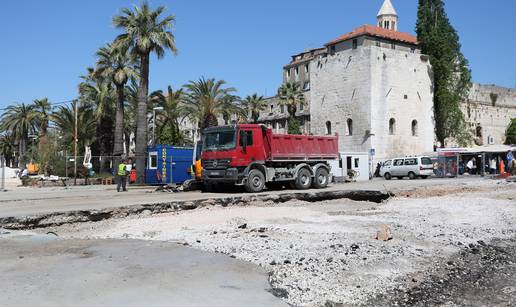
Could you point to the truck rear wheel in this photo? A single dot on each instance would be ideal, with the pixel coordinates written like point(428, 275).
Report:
point(321, 178)
point(304, 179)
point(255, 181)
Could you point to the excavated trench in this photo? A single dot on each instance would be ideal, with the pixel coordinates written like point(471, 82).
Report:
point(83, 216)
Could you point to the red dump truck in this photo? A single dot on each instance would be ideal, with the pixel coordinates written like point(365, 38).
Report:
point(253, 156)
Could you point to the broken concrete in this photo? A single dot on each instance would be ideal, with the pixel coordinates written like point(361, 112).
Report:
point(81, 216)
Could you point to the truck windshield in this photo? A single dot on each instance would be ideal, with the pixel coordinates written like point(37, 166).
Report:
point(219, 140)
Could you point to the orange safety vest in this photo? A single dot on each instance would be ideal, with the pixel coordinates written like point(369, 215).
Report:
point(198, 169)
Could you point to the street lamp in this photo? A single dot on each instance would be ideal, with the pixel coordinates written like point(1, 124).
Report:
point(154, 123)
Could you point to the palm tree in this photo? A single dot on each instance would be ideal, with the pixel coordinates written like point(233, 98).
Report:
point(291, 95)
point(144, 32)
point(130, 112)
point(19, 121)
point(115, 64)
point(206, 100)
point(254, 105)
point(42, 111)
point(98, 91)
point(168, 120)
point(7, 148)
point(64, 120)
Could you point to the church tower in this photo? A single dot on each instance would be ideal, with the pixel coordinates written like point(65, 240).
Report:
point(387, 16)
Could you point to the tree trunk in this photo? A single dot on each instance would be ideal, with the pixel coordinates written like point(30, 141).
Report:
point(21, 159)
point(42, 145)
point(127, 139)
point(118, 147)
point(141, 122)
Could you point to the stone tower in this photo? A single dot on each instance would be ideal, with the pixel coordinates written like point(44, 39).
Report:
point(387, 16)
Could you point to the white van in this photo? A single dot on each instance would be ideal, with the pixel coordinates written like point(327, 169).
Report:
point(412, 167)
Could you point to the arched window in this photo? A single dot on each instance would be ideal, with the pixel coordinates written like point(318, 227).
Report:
point(349, 126)
point(414, 128)
point(392, 126)
point(328, 128)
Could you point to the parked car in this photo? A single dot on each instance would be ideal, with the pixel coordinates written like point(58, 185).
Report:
point(412, 167)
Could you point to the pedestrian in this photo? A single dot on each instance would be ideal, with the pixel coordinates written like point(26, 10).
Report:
point(469, 166)
point(122, 176)
point(129, 168)
point(377, 171)
point(492, 166)
point(509, 157)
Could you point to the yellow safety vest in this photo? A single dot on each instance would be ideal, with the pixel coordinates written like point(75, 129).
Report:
point(121, 169)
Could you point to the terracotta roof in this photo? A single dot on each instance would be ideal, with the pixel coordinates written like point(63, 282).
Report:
point(376, 32)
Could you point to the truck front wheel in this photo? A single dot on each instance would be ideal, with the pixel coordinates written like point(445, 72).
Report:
point(304, 179)
point(321, 178)
point(255, 181)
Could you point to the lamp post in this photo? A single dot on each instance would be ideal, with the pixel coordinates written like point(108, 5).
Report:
point(154, 123)
point(76, 107)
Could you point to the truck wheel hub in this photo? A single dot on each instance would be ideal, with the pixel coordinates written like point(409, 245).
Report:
point(256, 181)
point(322, 179)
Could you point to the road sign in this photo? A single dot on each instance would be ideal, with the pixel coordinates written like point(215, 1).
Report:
point(372, 152)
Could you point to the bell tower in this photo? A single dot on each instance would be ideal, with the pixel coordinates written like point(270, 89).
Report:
point(387, 16)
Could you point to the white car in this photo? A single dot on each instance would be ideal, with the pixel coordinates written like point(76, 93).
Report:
point(412, 167)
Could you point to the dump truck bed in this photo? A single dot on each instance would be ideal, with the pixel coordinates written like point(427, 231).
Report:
point(286, 147)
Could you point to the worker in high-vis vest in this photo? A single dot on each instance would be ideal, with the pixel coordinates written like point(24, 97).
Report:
point(122, 176)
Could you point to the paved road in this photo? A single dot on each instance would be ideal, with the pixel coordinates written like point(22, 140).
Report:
point(42, 271)
point(33, 201)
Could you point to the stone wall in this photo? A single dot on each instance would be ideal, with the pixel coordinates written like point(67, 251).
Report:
point(488, 111)
point(401, 89)
point(370, 85)
point(341, 90)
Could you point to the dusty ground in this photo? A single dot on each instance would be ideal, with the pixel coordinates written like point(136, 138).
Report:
point(47, 271)
point(449, 244)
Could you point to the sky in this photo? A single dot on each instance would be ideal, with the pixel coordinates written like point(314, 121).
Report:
point(47, 45)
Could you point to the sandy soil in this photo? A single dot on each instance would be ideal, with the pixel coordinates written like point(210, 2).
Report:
point(326, 252)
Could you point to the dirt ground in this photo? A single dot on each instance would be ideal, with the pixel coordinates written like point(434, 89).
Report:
point(451, 245)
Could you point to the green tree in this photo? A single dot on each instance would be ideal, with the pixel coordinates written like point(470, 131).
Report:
point(97, 91)
point(145, 32)
point(253, 105)
point(18, 120)
point(291, 95)
point(42, 111)
point(452, 77)
point(7, 148)
point(64, 120)
point(207, 100)
point(510, 133)
point(115, 64)
point(167, 121)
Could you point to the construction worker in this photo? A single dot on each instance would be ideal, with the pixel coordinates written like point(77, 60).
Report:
point(122, 176)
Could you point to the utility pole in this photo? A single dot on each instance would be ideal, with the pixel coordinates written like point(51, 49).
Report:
point(3, 173)
point(75, 145)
